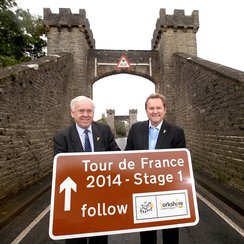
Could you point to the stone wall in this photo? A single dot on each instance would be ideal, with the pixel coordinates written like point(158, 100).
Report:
point(34, 99)
point(210, 107)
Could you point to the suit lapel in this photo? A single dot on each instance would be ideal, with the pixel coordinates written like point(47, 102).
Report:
point(97, 139)
point(144, 135)
point(162, 135)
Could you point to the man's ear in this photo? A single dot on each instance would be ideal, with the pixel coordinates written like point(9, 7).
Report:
point(72, 114)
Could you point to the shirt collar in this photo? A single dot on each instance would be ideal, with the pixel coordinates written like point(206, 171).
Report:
point(81, 130)
point(158, 126)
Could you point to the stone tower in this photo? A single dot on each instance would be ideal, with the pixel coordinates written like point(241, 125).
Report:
point(110, 119)
point(173, 33)
point(68, 32)
point(133, 116)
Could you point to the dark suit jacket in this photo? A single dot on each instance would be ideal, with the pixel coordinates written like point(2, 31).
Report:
point(170, 136)
point(68, 140)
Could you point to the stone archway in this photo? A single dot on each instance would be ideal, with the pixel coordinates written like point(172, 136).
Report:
point(112, 119)
point(68, 32)
point(102, 63)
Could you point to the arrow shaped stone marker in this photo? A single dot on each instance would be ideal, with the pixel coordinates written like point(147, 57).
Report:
point(67, 185)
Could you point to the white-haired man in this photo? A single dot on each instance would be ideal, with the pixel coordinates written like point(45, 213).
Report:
point(73, 139)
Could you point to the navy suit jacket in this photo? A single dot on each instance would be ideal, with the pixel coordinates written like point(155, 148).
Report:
point(68, 140)
point(170, 136)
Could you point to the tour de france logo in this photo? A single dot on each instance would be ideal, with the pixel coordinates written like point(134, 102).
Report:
point(158, 206)
point(146, 207)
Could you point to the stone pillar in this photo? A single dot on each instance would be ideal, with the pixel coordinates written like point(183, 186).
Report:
point(133, 117)
point(110, 119)
point(173, 33)
point(71, 33)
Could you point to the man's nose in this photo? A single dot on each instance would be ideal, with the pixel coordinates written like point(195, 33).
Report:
point(85, 113)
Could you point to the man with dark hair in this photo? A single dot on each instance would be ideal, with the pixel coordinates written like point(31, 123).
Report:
point(156, 133)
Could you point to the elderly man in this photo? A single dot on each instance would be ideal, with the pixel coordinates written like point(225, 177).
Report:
point(85, 135)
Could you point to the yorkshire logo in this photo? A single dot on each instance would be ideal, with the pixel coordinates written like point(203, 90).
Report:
point(171, 205)
point(160, 206)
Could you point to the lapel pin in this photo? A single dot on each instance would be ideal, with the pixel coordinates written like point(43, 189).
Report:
point(164, 131)
point(98, 138)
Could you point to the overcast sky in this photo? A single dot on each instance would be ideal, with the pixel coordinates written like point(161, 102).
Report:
point(129, 25)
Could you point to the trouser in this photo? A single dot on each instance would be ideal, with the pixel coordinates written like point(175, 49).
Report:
point(92, 240)
point(170, 236)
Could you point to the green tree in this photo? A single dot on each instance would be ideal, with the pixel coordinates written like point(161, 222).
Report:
point(34, 34)
point(4, 4)
point(120, 127)
point(21, 34)
point(103, 120)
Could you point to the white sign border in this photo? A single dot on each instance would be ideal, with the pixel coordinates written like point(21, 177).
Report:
point(114, 232)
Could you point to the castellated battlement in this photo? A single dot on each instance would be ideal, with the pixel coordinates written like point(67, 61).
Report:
point(177, 21)
point(66, 19)
point(133, 111)
point(110, 111)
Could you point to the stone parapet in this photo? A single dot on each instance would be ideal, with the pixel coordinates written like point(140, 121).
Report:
point(209, 106)
point(34, 105)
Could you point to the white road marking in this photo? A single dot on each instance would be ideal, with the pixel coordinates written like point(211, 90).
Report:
point(22, 235)
point(222, 215)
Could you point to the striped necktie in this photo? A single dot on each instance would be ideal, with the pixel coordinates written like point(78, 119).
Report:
point(87, 142)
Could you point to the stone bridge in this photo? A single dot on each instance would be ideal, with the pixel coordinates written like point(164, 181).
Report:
point(205, 98)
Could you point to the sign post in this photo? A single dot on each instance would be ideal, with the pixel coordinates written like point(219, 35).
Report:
point(121, 192)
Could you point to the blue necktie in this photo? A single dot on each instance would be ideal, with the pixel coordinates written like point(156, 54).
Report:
point(153, 136)
point(87, 142)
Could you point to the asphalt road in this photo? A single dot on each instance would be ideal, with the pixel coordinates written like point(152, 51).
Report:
point(29, 228)
point(219, 224)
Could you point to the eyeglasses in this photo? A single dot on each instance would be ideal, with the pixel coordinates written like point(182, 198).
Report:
point(83, 111)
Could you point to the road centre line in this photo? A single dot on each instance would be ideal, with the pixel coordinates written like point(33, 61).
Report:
point(24, 233)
